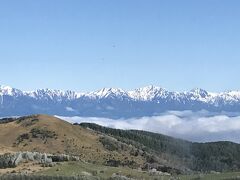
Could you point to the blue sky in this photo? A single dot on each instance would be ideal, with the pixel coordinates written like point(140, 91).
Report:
point(87, 45)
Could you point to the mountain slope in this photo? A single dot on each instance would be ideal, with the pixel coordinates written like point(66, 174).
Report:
point(48, 134)
point(178, 153)
point(113, 102)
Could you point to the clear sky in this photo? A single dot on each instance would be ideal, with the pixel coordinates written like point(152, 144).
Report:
point(89, 44)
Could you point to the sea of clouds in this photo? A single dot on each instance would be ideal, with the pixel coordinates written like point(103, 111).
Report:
point(201, 126)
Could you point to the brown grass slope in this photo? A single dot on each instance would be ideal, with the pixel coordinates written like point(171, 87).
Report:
point(49, 134)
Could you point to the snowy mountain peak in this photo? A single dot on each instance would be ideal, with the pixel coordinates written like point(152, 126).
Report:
point(7, 90)
point(235, 94)
point(147, 93)
point(152, 88)
point(198, 92)
point(107, 92)
point(114, 102)
point(53, 94)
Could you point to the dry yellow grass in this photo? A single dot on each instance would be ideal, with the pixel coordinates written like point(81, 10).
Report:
point(26, 168)
point(68, 138)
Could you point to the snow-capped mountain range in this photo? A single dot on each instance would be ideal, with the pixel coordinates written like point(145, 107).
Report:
point(114, 102)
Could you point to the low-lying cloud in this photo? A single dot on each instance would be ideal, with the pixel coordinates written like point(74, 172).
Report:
point(199, 126)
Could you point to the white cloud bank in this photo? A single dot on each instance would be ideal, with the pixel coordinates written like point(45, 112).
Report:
point(199, 126)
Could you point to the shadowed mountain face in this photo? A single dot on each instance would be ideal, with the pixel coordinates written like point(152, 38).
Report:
point(216, 156)
point(113, 103)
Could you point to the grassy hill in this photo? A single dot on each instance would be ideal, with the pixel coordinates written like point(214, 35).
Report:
point(49, 134)
point(101, 147)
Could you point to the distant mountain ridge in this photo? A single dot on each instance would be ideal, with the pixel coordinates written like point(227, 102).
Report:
point(114, 102)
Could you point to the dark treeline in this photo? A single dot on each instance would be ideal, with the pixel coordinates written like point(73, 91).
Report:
point(218, 156)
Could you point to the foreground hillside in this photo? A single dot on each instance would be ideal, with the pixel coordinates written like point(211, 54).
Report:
point(48, 134)
point(104, 151)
